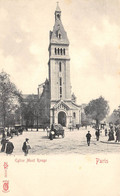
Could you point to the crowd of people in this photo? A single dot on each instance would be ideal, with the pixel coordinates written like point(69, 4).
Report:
point(7, 145)
point(113, 133)
point(11, 131)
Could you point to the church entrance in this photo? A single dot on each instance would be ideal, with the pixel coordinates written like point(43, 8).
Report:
point(62, 118)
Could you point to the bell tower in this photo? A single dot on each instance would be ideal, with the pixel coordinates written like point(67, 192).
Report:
point(62, 109)
point(59, 62)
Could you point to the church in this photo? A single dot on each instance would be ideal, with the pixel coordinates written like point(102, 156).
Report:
point(57, 103)
point(63, 109)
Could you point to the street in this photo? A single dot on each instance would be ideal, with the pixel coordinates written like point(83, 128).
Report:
point(74, 142)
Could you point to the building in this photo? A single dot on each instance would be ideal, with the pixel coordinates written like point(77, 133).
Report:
point(62, 108)
point(44, 105)
point(55, 103)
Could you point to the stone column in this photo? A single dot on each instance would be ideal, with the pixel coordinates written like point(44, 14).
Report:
point(51, 117)
point(55, 117)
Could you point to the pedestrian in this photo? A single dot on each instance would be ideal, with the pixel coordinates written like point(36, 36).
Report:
point(11, 133)
point(3, 142)
point(118, 134)
point(26, 146)
point(8, 133)
point(111, 135)
point(3, 133)
point(88, 136)
point(105, 131)
point(9, 147)
point(97, 133)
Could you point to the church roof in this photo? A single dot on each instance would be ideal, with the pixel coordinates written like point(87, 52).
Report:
point(59, 103)
point(67, 104)
point(27, 97)
point(72, 105)
point(58, 35)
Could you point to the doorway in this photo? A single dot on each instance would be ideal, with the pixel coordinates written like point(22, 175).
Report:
point(62, 118)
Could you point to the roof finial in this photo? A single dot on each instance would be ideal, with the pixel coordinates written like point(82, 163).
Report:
point(58, 8)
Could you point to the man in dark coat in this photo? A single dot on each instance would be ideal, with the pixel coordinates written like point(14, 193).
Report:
point(118, 134)
point(26, 146)
point(3, 142)
point(88, 136)
point(9, 147)
point(97, 133)
point(3, 133)
point(111, 135)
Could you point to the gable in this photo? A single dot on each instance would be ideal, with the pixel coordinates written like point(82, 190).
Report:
point(61, 105)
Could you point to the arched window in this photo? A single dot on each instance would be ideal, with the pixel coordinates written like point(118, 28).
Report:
point(60, 67)
point(74, 115)
point(61, 51)
point(58, 16)
point(55, 51)
point(59, 36)
point(58, 50)
point(64, 51)
point(60, 91)
point(60, 81)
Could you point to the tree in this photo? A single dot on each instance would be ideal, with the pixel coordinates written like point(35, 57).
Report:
point(35, 109)
point(114, 117)
point(9, 99)
point(117, 112)
point(85, 119)
point(97, 109)
point(28, 110)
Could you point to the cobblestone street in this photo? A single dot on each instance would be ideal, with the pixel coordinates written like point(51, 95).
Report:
point(74, 142)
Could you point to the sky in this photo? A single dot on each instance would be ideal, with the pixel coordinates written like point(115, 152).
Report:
point(93, 29)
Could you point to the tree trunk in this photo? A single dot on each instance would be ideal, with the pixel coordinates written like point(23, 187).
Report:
point(97, 123)
point(37, 122)
point(4, 123)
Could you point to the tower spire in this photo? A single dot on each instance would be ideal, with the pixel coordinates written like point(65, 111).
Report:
point(58, 35)
point(58, 8)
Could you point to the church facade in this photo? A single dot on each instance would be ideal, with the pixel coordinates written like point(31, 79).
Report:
point(54, 101)
point(63, 109)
